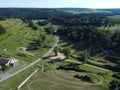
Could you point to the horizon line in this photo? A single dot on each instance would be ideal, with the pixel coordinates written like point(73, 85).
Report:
point(60, 7)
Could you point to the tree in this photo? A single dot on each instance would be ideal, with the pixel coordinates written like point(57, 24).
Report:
point(66, 52)
point(31, 24)
point(2, 30)
point(43, 23)
point(56, 51)
point(50, 30)
point(114, 85)
point(84, 56)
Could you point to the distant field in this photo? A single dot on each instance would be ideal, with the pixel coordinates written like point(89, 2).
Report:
point(115, 27)
point(115, 17)
point(87, 11)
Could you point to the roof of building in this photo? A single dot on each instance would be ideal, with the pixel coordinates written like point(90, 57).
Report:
point(3, 61)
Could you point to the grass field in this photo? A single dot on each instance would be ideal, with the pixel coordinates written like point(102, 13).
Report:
point(18, 34)
point(56, 81)
point(12, 83)
point(115, 27)
point(49, 78)
point(53, 79)
point(115, 18)
point(86, 11)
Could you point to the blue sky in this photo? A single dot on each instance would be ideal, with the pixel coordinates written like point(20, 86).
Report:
point(61, 3)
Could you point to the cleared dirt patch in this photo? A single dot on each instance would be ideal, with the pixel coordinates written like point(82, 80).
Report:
point(60, 56)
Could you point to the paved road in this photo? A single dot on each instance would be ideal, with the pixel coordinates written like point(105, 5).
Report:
point(30, 65)
point(12, 70)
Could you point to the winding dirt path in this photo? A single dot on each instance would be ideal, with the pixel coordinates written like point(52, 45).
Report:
point(101, 78)
point(56, 79)
point(24, 51)
point(53, 82)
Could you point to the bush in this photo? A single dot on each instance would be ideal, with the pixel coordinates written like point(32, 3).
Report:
point(116, 75)
point(71, 66)
point(88, 78)
point(2, 30)
point(50, 30)
point(31, 24)
point(43, 23)
point(114, 85)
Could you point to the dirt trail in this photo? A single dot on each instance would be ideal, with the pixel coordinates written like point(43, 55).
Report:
point(24, 51)
point(60, 56)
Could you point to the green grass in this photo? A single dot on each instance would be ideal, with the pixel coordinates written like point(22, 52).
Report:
point(91, 69)
point(96, 53)
point(12, 83)
point(18, 34)
point(45, 80)
point(115, 17)
point(95, 79)
point(112, 28)
point(56, 81)
point(82, 67)
point(107, 79)
point(47, 67)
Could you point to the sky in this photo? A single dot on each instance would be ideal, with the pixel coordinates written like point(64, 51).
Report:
point(61, 3)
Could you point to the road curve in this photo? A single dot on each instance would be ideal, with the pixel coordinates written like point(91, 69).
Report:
point(30, 65)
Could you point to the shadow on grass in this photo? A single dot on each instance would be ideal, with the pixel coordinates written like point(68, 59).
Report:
point(56, 60)
point(21, 54)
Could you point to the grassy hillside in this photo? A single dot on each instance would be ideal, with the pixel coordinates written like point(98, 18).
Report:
point(19, 35)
